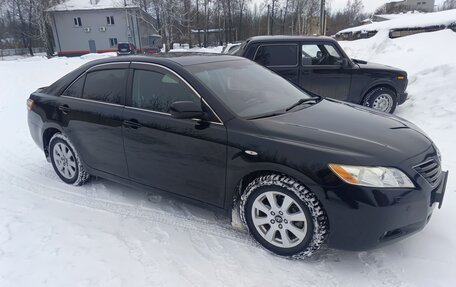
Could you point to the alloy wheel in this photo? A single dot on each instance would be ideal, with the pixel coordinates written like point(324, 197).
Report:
point(64, 160)
point(279, 219)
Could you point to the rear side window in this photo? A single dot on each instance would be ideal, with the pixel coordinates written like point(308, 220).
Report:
point(105, 85)
point(277, 55)
point(156, 91)
point(250, 53)
point(75, 90)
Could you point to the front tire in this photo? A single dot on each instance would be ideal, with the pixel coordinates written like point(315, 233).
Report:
point(66, 161)
point(382, 99)
point(284, 216)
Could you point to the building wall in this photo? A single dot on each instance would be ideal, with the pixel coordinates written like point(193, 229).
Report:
point(420, 5)
point(73, 40)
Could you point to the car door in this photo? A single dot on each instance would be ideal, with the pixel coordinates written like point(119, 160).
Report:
point(183, 156)
point(323, 71)
point(281, 58)
point(91, 113)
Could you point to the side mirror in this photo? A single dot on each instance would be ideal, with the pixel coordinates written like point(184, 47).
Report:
point(344, 63)
point(186, 110)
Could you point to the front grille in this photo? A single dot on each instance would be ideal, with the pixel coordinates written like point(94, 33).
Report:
point(430, 170)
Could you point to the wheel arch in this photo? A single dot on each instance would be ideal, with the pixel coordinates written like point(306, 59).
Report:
point(48, 133)
point(238, 185)
point(376, 86)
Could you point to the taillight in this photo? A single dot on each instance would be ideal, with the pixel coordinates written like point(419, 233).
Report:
point(30, 104)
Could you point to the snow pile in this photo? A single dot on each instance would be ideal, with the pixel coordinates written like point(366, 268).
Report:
point(431, 65)
point(414, 20)
point(217, 49)
point(106, 234)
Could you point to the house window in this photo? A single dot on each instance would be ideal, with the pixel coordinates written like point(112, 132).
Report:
point(77, 21)
point(110, 20)
point(113, 42)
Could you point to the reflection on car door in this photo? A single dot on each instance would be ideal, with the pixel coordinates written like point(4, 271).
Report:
point(282, 58)
point(91, 109)
point(182, 156)
point(322, 72)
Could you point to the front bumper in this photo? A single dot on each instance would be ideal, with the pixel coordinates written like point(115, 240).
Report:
point(401, 98)
point(362, 218)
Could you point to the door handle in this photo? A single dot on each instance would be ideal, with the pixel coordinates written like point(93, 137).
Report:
point(134, 124)
point(64, 108)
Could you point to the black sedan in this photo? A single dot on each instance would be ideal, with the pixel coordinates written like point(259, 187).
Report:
point(227, 133)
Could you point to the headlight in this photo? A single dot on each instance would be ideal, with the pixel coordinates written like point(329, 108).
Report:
point(372, 176)
point(439, 155)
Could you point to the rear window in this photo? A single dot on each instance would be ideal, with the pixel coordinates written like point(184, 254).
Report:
point(105, 85)
point(123, 46)
point(277, 55)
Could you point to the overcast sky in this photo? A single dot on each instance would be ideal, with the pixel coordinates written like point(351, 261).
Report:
point(369, 5)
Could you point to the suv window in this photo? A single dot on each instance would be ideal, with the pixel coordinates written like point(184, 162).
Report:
point(320, 55)
point(105, 85)
point(277, 55)
point(75, 89)
point(157, 91)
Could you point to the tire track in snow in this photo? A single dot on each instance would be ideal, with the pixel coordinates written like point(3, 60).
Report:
point(152, 215)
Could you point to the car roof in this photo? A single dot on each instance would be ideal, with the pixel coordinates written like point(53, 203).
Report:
point(165, 59)
point(283, 38)
point(183, 59)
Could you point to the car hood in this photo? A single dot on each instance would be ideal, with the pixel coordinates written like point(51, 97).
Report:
point(375, 66)
point(346, 129)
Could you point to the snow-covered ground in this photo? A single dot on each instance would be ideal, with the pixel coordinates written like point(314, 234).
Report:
point(106, 234)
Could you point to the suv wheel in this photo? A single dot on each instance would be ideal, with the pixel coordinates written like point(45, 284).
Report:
point(381, 99)
point(283, 216)
point(66, 161)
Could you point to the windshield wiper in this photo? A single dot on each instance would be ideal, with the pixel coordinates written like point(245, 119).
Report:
point(303, 101)
point(267, 115)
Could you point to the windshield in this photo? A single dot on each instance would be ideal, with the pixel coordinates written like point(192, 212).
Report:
point(247, 88)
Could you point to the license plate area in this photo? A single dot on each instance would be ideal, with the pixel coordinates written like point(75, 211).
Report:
point(437, 195)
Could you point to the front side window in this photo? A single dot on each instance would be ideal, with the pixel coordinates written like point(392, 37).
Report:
point(157, 91)
point(75, 90)
point(248, 89)
point(277, 55)
point(320, 55)
point(105, 85)
point(77, 21)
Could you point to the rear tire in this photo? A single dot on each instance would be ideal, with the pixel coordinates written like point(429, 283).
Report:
point(66, 161)
point(381, 99)
point(284, 216)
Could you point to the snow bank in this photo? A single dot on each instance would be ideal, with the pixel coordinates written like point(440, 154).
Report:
point(415, 20)
point(217, 49)
point(430, 62)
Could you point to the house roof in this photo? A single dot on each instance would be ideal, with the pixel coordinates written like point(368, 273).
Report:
point(71, 5)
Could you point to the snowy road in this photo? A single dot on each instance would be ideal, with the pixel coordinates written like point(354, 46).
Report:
point(106, 234)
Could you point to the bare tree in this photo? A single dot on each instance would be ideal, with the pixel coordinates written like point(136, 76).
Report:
point(449, 4)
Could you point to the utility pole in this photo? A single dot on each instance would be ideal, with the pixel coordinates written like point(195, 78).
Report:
point(272, 16)
point(269, 22)
point(322, 18)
